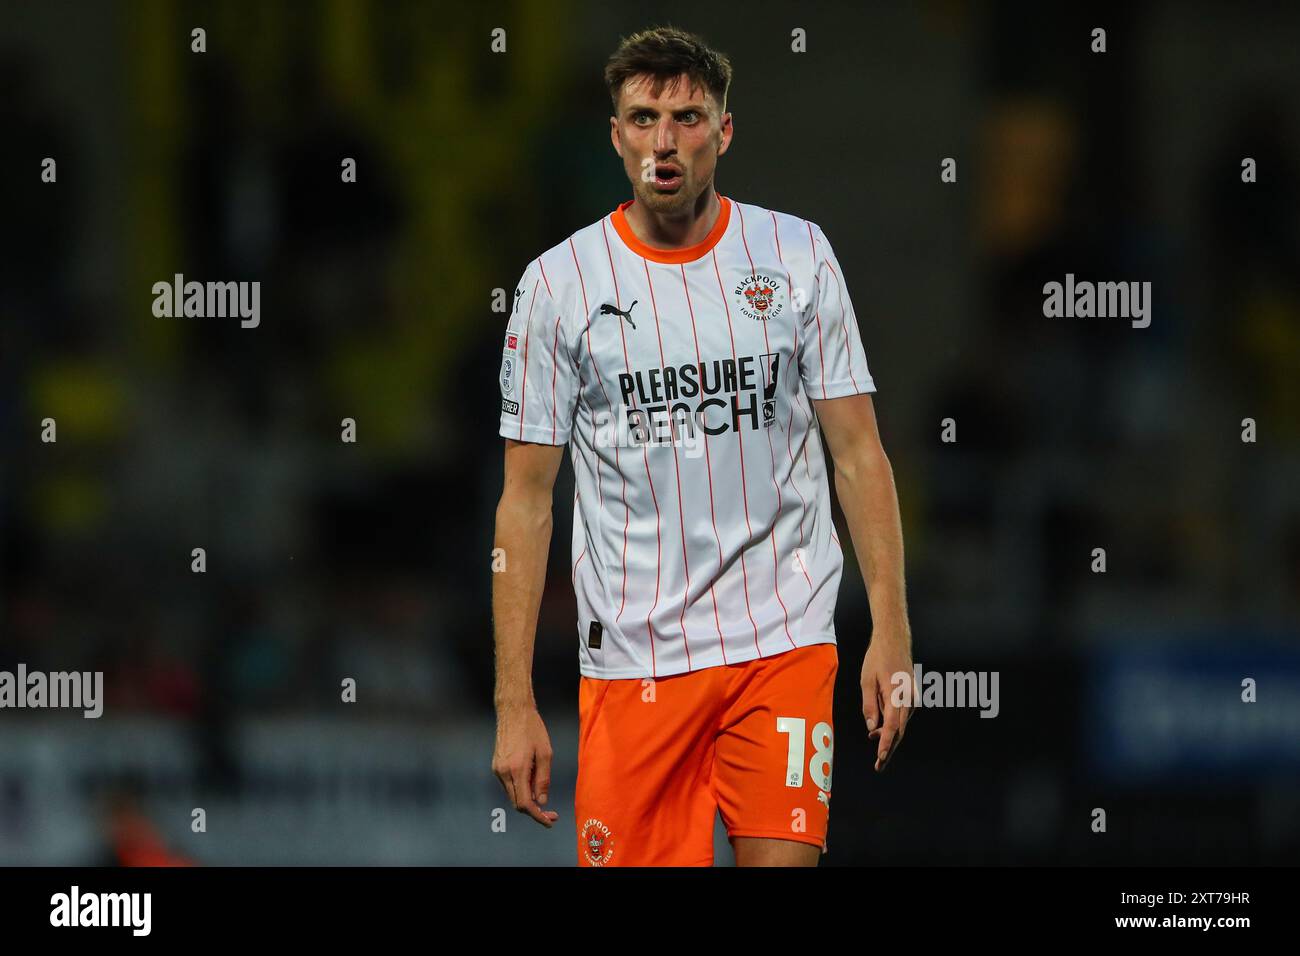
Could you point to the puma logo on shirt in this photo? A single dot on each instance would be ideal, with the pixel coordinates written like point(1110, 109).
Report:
point(608, 309)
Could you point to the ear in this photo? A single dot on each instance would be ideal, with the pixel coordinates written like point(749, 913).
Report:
point(727, 132)
point(613, 136)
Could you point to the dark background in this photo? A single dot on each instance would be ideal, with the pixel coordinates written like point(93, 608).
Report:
point(371, 560)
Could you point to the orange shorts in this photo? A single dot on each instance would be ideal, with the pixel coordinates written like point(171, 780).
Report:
point(657, 760)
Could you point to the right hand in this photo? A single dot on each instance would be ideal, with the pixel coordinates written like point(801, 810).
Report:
point(522, 761)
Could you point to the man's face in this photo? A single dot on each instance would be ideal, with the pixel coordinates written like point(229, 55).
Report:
point(670, 143)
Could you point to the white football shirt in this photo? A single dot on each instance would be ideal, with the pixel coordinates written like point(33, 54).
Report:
point(681, 381)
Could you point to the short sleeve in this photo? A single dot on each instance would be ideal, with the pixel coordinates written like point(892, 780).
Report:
point(538, 378)
point(831, 358)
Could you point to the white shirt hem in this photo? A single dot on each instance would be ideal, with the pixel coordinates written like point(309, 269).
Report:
point(714, 660)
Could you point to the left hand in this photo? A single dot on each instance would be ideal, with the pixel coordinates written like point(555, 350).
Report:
point(886, 674)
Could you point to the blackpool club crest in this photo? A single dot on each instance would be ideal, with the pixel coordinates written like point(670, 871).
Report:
point(597, 842)
point(760, 296)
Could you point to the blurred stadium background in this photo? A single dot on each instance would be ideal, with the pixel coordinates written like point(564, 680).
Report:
point(328, 560)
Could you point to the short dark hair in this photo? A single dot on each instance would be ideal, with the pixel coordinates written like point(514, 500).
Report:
point(665, 53)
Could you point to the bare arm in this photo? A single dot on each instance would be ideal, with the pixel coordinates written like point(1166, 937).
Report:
point(522, 758)
point(864, 484)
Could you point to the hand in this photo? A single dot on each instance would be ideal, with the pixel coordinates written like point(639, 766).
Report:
point(887, 673)
point(522, 761)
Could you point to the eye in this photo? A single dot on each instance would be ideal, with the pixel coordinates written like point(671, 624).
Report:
point(689, 116)
point(637, 118)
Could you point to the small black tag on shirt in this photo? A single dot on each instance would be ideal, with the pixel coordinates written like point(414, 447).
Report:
point(594, 634)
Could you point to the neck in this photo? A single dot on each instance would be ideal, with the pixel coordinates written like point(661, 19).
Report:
point(675, 231)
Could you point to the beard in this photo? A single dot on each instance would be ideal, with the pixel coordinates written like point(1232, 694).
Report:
point(677, 202)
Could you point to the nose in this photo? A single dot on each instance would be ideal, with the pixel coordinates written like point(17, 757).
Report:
point(665, 138)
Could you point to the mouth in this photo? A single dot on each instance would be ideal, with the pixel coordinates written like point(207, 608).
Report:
point(668, 176)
